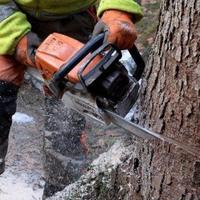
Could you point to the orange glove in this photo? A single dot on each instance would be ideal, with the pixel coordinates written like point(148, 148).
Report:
point(118, 27)
point(25, 50)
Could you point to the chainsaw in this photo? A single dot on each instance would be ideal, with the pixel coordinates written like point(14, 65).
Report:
point(93, 73)
point(94, 81)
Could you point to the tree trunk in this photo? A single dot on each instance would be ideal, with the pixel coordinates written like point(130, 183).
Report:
point(170, 105)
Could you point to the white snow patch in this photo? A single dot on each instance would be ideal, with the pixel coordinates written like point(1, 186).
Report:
point(22, 118)
point(15, 187)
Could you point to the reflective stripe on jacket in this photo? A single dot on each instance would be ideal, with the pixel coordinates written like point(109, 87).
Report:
point(14, 24)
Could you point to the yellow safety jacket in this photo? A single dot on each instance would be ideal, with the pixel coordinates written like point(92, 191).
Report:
point(14, 24)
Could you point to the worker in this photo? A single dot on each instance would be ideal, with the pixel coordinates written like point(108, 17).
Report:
point(24, 24)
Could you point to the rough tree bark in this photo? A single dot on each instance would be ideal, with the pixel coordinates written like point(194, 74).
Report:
point(170, 105)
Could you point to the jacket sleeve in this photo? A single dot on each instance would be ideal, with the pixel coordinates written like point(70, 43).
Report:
point(124, 5)
point(13, 26)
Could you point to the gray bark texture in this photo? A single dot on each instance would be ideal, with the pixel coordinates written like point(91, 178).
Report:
point(170, 105)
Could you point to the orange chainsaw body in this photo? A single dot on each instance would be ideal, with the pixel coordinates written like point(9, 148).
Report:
point(55, 51)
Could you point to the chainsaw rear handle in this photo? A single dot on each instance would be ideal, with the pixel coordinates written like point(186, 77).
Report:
point(91, 46)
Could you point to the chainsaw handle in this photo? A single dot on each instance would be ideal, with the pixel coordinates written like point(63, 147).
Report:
point(138, 61)
point(90, 46)
point(112, 54)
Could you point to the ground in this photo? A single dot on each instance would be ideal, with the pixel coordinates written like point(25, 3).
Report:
point(23, 178)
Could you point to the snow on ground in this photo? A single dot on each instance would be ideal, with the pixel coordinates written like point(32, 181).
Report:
point(22, 118)
point(18, 187)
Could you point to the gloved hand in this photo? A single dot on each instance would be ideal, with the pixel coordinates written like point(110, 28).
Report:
point(25, 50)
point(118, 27)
